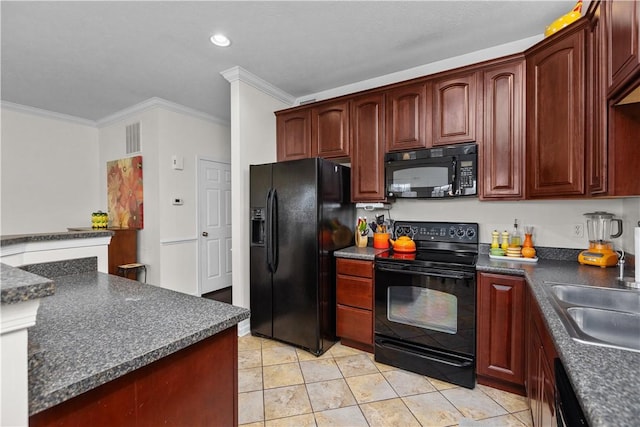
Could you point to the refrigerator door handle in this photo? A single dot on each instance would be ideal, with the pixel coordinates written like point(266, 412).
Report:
point(269, 232)
point(275, 255)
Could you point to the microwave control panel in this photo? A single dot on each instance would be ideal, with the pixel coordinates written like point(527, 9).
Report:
point(467, 174)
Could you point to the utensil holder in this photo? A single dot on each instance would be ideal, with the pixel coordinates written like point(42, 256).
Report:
point(381, 240)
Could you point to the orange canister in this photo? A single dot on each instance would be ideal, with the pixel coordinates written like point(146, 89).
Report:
point(381, 240)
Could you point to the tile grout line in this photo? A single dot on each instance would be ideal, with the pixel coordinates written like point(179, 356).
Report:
point(352, 352)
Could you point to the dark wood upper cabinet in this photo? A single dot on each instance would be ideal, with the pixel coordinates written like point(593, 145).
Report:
point(556, 114)
point(330, 130)
point(454, 109)
point(367, 147)
point(621, 24)
point(408, 109)
point(502, 150)
point(293, 134)
point(596, 125)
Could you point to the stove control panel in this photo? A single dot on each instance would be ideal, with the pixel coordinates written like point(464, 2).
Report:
point(437, 231)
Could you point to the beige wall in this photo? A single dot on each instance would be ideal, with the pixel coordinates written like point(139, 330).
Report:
point(168, 244)
point(49, 178)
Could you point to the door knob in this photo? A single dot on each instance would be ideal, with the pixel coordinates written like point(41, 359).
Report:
point(205, 234)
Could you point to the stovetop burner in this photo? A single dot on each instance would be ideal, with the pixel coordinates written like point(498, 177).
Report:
point(439, 244)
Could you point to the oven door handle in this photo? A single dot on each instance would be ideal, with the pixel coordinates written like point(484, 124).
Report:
point(433, 273)
point(428, 355)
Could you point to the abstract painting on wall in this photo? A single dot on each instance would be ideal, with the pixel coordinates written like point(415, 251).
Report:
point(124, 192)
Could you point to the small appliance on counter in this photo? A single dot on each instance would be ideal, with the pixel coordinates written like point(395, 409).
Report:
point(600, 252)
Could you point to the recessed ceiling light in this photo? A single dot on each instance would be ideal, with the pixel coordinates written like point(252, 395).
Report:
point(220, 40)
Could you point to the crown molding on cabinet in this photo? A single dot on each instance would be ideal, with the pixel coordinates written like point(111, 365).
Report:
point(493, 52)
point(238, 73)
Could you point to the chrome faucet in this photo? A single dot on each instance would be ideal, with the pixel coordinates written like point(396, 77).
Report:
point(621, 264)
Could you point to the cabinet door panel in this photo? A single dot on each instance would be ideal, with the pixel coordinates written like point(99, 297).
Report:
point(623, 37)
point(501, 302)
point(354, 267)
point(294, 135)
point(354, 291)
point(556, 115)
point(367, 145)
point(503, 145)
point(596, 153)
point(454, 109)
point(407, 117)
point(355, 324)
point(330, 130)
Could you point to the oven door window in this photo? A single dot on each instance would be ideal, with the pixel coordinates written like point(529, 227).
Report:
point(424, 308)
point(433, 310)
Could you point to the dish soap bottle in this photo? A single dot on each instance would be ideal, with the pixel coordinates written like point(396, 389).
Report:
point(515, 235)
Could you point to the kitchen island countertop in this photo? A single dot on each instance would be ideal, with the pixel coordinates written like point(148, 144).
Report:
point(98, 327)
point(605, 380)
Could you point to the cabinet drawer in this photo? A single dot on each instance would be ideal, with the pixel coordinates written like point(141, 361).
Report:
point(355, 324)
point(354, 267)
point(354, 291)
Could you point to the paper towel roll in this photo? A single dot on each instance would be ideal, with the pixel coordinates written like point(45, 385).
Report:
point(636, 235)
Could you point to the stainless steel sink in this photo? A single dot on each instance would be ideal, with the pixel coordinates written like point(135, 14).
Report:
point(606, 298)
point(620, 329)
point(599, 316)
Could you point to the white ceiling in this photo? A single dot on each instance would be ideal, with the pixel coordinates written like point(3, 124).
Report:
point(92, 59)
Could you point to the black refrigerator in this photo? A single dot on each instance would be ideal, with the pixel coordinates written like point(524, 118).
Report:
point(301, 212)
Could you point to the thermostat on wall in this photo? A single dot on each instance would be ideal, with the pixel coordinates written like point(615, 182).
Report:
point(177, 162)
point(177, 201)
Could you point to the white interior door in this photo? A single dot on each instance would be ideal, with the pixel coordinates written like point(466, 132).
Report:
point(214, 218)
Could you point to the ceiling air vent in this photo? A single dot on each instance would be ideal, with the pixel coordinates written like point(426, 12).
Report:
point(133, 138)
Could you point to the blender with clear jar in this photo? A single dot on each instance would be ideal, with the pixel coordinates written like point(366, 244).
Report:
point(600, 250)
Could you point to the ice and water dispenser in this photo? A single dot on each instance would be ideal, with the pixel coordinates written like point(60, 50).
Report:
point(257, 226)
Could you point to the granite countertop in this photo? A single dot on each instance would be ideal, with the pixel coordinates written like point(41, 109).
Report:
point(98, 327)
point(353, 252)
point(605, 380)
point(15, 239)
point(18, 286)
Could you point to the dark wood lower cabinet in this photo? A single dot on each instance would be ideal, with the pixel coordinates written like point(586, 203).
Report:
point(354, 297)
point(515, 351)
point(501, 358)
point(540, 376)
point(197, 386)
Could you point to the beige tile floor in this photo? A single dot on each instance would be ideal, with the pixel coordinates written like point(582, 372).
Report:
point(280, 385)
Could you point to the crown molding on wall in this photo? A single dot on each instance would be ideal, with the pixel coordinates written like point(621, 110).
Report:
point(238, 73)
point(154, 103)
point(120, 115)
point(19, 108)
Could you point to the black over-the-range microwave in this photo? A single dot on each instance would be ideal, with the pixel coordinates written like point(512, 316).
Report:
point(448, 171)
